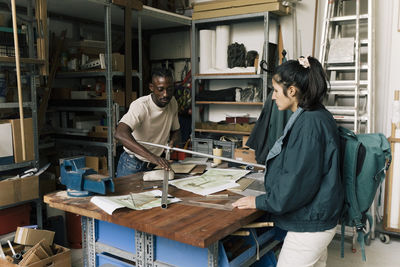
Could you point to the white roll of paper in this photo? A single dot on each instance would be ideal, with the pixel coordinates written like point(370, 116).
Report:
point(213, 47)
point(206, 48)
point(222, 40)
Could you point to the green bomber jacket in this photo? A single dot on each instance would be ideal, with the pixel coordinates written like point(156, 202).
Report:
point(302, 178)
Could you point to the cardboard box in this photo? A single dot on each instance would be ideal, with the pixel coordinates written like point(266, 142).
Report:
point(274, 7)
point(6, 144)
point(118, 62)
point(61, 93)
point(118, 97)
point(98, 164)
point(99, 131)
point(245, 155)
point(30, 237)
point(61, 259)
point(17, 143)
point(15, 190)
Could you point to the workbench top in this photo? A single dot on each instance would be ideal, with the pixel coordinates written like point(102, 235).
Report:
point(191, 225)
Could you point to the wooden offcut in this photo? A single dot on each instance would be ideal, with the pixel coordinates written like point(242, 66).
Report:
point(276, 8)
point(220, 4)
point(42, 38)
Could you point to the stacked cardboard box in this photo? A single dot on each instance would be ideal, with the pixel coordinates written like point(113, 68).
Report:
point(223, 8)
point(39, 250)
point(16, 139)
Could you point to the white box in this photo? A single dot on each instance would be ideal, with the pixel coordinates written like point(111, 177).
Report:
point(83, 95)
point(6, 144)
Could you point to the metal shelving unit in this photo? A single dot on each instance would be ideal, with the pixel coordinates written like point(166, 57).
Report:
point(264, 79)
point(146, 19)
point(31, 64)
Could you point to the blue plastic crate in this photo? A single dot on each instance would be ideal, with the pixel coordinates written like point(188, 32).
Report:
point(116, 235)
point(105, 260)
point(268, 259)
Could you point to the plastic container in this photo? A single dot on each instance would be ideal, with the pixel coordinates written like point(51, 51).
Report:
point(74, 230)
point(13, 217)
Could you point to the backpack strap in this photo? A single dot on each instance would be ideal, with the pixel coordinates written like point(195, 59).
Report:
point(350, 164)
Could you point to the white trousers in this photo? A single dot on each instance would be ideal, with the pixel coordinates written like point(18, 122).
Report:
point(305, 249)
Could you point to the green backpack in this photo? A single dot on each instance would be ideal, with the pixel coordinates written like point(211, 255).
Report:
point(364, 161)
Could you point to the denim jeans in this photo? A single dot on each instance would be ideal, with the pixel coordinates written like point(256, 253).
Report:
point(128, 165)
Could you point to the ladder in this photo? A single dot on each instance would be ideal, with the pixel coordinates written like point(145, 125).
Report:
point(347, 54)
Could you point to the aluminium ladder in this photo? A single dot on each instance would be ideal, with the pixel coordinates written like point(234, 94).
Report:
point(347, 55)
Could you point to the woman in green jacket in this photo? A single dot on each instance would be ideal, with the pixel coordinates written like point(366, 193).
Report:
point(302, 178)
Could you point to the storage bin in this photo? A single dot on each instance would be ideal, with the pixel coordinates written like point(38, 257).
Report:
point(228, 148)
point(13, 217)
point(115, 235)
point(202, 145)
point(106, 260)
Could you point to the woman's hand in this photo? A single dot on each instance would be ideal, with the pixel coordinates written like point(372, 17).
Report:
point(245, 203)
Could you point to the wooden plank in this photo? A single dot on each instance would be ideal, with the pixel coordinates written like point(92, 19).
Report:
point(220, 4)
point(22, 60)
point(221, 131)
point(229, 103)
point(45, 100)
point(195, 226)
point(276, 8)
point(42, 39)
point(228, 74)
point(134, 4)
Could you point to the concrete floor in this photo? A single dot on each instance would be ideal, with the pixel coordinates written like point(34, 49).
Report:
point(378, 254)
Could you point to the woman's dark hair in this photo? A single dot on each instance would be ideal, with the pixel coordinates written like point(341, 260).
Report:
point(309, 78)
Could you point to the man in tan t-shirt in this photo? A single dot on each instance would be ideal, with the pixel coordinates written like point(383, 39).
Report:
point(152, 118)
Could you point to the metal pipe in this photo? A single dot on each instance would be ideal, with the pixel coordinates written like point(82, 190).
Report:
point(203, 154)
point(164, 196)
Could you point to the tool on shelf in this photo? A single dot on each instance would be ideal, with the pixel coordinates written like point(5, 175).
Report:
point(82, 181)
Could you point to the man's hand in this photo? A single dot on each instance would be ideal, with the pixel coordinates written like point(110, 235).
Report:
point(245, 203)
point(160, 162)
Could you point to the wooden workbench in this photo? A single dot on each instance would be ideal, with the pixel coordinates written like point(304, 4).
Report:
point(195, 226)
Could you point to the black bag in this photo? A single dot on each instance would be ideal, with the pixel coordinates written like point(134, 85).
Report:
point(228, 94)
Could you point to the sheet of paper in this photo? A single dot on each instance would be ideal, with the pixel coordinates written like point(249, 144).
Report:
point(212, 181)
point(137, 201)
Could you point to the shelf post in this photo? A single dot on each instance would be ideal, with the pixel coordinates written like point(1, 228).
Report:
point(110, 122)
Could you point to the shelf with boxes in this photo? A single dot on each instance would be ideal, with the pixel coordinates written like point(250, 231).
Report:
point(246, 86)
point(17, 194)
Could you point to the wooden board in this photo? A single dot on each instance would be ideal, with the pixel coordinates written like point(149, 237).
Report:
point(220, 4)
point(199, 169)
point(276, 8)
point(195, 226)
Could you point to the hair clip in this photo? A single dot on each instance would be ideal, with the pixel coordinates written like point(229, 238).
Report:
point(304, 62)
